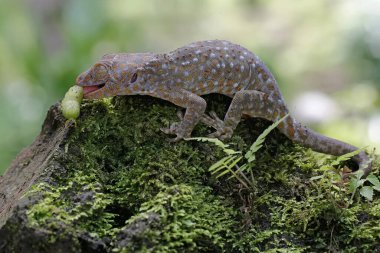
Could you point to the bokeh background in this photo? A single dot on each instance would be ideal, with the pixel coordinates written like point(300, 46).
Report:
point(325, 54)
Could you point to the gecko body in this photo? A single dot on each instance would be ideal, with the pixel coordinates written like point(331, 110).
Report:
point(200, 68)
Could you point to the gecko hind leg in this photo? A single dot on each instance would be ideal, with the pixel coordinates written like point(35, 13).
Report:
point(195, 107)
point(259, 104)
point(250, 102)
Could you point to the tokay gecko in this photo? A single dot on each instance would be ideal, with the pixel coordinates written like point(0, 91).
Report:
point(200, 68)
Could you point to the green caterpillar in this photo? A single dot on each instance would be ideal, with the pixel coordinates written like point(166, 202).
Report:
point(71, 102)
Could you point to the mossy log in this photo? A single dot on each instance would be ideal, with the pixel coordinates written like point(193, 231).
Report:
point(112, 182)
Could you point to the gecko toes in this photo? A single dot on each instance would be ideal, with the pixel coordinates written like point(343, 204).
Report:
point(180, 115)
point(213, 120)
point(175, 129)
point(215, 116)
point(223, 133)
point(165, 130)
point(172, 129)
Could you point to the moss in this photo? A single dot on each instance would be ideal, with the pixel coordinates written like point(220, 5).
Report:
point(72, 204)
point(129, 189)
point(186, 219)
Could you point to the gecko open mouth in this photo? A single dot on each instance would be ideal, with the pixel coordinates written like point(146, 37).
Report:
point(88, 89)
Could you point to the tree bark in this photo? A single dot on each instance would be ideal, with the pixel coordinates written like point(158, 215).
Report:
point(30, 163)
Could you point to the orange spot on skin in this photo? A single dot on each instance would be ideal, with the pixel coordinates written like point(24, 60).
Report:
point(178, 101)
point(291, 131)
point(275, 115)
point(210, 85)
point(115, 67)
point(122, 65)
point(136, 88)
point(289, 121)
point(228, 90)
point(204, 89)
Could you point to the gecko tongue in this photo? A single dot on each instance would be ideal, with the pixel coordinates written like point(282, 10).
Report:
point(88, 89)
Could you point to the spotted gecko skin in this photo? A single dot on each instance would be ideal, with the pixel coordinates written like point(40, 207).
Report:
point(200, 68)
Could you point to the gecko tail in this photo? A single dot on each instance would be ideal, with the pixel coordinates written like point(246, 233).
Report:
point(308, 138)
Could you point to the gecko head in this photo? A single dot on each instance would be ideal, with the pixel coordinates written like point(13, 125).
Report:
point(109, 77)
point(95, 81)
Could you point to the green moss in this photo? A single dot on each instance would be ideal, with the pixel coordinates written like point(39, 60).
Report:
point(72, 204)
point(126, 186)
point(187, 219)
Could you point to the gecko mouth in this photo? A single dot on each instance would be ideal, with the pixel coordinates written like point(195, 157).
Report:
point(89, 89)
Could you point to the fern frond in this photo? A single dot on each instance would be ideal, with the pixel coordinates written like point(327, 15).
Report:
point(229, 167)
point(229, 163)
point(217, 142)
point(346, 157)
point(250, 155)
point(221, 164)
point(218, 164)
point(243, 168)
point(228, 170)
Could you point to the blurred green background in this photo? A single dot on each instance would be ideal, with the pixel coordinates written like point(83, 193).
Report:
point(325, 54)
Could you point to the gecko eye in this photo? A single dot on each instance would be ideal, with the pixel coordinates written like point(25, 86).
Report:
point(134, 78)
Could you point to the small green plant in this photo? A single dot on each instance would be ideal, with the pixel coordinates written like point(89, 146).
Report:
point(357, 183)
point(333, 166)
point(230, 163)
point(332, 176)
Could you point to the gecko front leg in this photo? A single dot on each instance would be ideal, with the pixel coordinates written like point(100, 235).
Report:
point(195, 108)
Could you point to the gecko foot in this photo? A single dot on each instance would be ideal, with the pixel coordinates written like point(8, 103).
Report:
point(180, 115)
point(213, 120)
point(175, 128)
point(222, 131)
